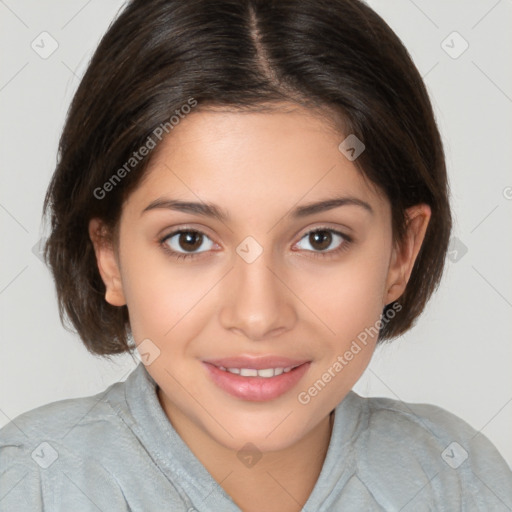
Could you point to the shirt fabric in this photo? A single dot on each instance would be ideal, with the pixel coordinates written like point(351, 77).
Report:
point(117, 451)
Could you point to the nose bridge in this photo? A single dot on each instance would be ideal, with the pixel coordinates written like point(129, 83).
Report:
point(256, 302)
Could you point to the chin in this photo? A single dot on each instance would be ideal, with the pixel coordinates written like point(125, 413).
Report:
point(266, 436)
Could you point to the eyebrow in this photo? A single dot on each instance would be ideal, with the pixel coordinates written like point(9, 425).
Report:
point(211, 210)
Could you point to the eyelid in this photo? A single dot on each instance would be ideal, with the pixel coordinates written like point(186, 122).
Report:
point(345, 231)
point(168, 232)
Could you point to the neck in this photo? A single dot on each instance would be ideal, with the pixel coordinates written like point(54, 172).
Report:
point(279, 481)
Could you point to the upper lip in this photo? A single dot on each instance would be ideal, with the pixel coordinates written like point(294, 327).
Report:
point(256, 363)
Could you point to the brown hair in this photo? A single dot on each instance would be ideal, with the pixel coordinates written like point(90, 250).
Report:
point(337, 55)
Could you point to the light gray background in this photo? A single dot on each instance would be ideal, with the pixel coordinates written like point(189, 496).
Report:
point(458, 356)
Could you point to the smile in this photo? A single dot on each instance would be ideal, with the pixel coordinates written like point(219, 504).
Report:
point(257, 385)
point(252, 372)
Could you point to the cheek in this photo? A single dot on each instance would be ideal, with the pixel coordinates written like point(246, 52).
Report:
point(168, 303)
point(348, 297)
point(349, 301)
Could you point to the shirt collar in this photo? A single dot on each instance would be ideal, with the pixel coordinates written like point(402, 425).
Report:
point(174, 458)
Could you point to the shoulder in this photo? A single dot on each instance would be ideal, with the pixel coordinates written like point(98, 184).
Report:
point(85, 454)
point(55, 447)
point(398, 419)
point(408, 447)
point(57, 420)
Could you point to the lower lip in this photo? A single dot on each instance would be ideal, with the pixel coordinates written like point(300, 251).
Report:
point(257, 389)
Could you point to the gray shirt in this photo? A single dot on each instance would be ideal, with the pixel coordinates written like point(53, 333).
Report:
point(117, 451)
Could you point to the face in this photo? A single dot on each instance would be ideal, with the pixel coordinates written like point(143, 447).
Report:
point(268, 279)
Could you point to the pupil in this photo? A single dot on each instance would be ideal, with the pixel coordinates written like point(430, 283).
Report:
point(323, 238)
point(188, 237)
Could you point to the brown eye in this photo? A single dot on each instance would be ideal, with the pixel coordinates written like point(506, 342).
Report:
point(324, 240)
point(189, 241)
point(320, 240)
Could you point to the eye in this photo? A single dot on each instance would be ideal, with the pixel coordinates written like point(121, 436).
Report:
point(186, 242)
point(325, 240)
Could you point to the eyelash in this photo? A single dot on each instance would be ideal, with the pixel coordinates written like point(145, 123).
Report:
point(347, 241)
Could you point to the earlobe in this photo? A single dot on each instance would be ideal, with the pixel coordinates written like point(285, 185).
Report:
point(404, 256)
point(108, 265)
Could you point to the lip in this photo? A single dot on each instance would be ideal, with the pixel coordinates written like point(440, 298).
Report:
point(256, 389)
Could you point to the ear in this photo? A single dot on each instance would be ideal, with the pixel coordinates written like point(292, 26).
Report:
point(404, 255)
point(108, 264)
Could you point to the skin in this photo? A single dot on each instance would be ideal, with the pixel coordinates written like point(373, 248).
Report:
point(294, 300)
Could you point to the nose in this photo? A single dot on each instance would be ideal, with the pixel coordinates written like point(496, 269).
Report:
point(257, 303)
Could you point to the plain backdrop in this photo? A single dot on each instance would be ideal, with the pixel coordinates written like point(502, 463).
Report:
point(459, 354)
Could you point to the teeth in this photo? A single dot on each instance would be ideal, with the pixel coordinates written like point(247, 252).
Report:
point(251, 372)
point(269, 372)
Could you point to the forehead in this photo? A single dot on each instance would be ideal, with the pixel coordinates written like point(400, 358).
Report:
point(254, 163)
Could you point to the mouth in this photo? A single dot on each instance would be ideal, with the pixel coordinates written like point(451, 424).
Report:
point(266, 373)
point(259, 380)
